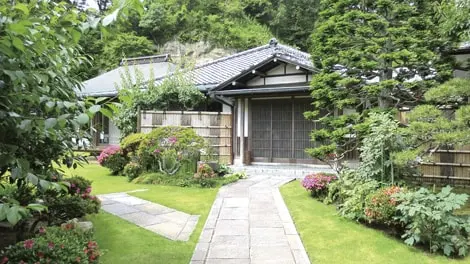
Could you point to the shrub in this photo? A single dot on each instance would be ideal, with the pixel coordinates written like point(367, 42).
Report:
point(112, 158)
point(207, 182)
point(169, 162)
point(184, 141)
point(78, 185)
point(204, 171)
point(353, 206)
point(54, 245)
point(317, 183)
point(429, 219)
point(67, 207)
point(380, 206)
point(153, 178)
point(132, 170)
point(132, 142)
point(224, 169)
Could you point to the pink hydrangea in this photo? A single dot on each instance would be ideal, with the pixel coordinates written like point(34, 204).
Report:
point(317, 181)
point(108, 151)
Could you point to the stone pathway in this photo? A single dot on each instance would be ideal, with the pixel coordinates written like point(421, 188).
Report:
point(249, 224)
point(157, 218)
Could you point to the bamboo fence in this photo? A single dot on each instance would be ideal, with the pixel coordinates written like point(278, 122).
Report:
point(214, 127)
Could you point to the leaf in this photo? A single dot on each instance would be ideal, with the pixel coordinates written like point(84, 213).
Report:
point(106, 112)
point(111, 17)
point(36, 207)
point(83, 119)
point(13, 215)
point(18, 43)
point(95, 108)
point(75, 35)
point(23, 8)
point(3, 211)
point(44, 184)
point(32, 178)
point(69, 105)
point(50, 123)
point(50, 104)
point(25, 124)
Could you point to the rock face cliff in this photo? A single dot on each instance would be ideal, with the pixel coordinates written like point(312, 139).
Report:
point(198, 52)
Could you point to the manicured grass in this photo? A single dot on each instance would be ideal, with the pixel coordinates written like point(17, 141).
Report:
point(328, 238)
point(127, 243)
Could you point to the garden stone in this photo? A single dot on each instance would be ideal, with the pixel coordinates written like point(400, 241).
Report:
point(229, 247)
point(85, 226)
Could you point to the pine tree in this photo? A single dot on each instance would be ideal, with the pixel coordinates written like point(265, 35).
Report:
point(371, 54)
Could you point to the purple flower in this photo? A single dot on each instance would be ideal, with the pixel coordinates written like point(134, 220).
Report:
point(172, 140)
point(108, 151)
point(317, 181)
point(156, 151)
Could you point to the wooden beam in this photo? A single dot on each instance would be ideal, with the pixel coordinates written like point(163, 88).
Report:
point(260, 74)
point(235, 83)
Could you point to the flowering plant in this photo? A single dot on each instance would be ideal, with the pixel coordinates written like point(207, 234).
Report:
point(317, 183)
point(113, 158)
point(204, 171)
point(381, 206)
point(65, 244)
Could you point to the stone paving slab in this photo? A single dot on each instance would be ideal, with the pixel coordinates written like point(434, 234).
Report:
point(250, 223)
point(162, 220)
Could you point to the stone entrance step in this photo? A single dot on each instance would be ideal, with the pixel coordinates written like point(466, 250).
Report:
point(294, 171)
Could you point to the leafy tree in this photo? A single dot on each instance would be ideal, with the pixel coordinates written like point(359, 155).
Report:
point(295, 20)
point(124, 45)
point(443, 121)
point(175, 92)
point(454, 18)
point(371, 54)
point(40, 114)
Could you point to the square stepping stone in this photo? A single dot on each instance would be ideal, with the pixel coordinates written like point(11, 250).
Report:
point(260, 237)
point(235, 202)
point(119, 209)
point(176, 217)
point(228, 261)
point(229, 247)
point(154, 209)
point(234, 213)
point(231, 228)
point(130, 200)
point(265, 220)
point(281, 254)
point(167, 229)
point(143, 218)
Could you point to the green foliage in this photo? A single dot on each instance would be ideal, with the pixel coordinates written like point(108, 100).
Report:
point(55, 245)
point(442, 122)
point(131, 142)
point(169, 162)
point(66, 207)
point(116, 163)
point(429, 219)
point(132, 170)
point(223, 169)
point(124, 45)
point(175, 92)
point(389, 43)
point(377, 147)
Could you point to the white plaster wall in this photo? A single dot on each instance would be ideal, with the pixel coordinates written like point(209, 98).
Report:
point(278, 70)
point(255, 82)
point(226, 108)
point(285, 79)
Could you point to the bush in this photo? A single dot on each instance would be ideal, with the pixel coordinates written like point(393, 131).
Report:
point(64, 208)
point(54, 245)
point(112, 158)
point(429, 219)
point(317, 183)
point(132, 170)
point(154, 178)
point(204, 171)
point(132, 142)
point(78, 185)
point(184, 141)
point(381, 207)
point(223, 169)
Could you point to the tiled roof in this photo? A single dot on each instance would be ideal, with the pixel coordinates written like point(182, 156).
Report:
point(105, 84)
point(209, 75)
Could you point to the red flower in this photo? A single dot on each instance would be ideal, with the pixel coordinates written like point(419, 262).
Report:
point(40, 254)
point(50, 245)
point(4, 260)
point(42, 230)
point(78, 259)
point(28, 244)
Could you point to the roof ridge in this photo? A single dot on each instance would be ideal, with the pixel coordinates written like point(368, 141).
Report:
point(232, 56)
point(294, 50)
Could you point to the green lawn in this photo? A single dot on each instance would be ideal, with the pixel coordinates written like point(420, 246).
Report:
point(127, 243)
point(329, 238)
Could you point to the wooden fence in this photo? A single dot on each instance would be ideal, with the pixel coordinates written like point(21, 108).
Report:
point(450, 165)
point(214, 127)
